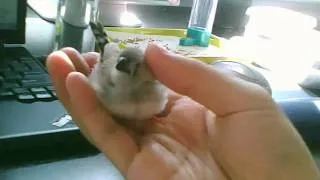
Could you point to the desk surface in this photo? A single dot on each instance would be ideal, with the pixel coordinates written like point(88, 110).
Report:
point(40, 36)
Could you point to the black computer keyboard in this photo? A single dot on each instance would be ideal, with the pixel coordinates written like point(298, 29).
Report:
point(26, 80)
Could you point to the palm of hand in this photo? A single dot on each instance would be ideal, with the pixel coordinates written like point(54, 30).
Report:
point(189, 142)
point(176, 146)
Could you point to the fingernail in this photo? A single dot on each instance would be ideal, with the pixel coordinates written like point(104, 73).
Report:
point(91, 54)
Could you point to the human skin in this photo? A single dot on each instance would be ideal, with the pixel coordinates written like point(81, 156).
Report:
point(214, 127)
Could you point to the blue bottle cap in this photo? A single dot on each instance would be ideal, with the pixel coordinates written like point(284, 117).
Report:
point(196, 36)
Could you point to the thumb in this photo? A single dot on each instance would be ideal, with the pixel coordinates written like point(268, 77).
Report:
point(218, 92)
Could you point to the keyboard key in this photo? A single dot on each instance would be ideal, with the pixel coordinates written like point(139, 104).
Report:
point(19, 66)
point(26, 98)
point(34, 71)
point(43, 96)
point(50, 88)
point(37, 90)
point(26, 59)
point(6, 94)
point(31, 64)
point(10, 85)
point(21, 69)
point(34, 82)
point(26, 73)
point(37, 76)
point(25, 82)
point(20, 90)
point(12, 75)
point(37, 68)
point(34, 65)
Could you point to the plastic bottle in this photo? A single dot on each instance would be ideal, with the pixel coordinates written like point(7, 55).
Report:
point(72, 24)
point(200, 23)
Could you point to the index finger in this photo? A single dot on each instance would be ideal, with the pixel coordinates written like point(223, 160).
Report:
point(61, 63)
point(59, 66)
point(91, 58)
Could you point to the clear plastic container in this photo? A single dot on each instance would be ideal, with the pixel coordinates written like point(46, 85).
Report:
point(78, 12)
point(72, 24)
point(203, 14)
point(200, 24)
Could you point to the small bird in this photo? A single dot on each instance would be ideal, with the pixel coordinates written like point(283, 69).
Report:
point(124, 83)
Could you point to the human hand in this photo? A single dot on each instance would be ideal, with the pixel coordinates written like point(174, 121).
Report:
point(246, 137)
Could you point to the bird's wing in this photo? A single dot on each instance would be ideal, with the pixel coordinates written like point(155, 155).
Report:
point(100, 35)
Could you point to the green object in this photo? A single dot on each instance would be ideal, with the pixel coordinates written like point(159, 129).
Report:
point(180, 33)
point(196, 36)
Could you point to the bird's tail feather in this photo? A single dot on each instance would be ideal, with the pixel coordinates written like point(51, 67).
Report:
point(100, 35)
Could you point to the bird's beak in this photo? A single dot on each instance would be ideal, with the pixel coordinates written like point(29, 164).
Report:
point(126, 66)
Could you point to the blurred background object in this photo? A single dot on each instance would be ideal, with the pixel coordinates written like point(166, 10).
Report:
point(200, 24)
point(72, 24)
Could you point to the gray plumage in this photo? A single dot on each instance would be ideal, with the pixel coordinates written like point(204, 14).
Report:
point(124, 83)
point(100, 35)
point(126, 86)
